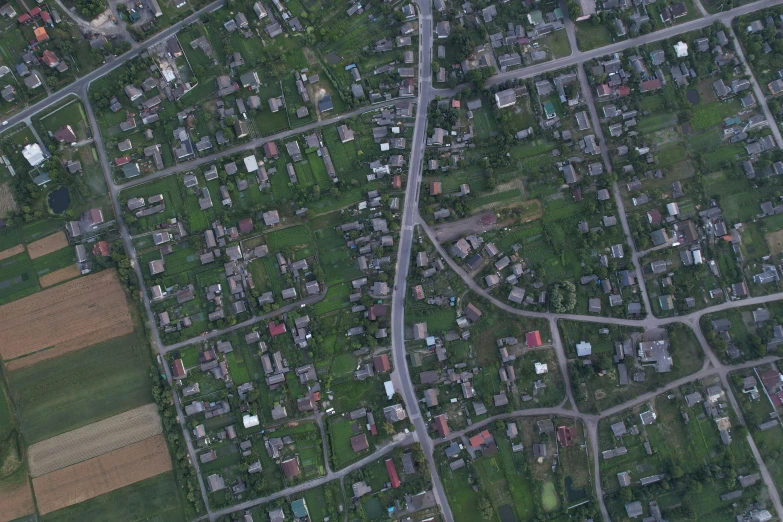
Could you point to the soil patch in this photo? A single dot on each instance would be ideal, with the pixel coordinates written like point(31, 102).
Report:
point(7, 202)
point(16, 501)
point(775, 243)
point(94, 477)
point(68, 313)
point(47, 245)
point(58, 276)
point(94, 440)
point(11, 252)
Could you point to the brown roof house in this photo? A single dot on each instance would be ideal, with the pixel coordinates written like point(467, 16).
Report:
point(290, 467)
point(472, 313)
point(270, 150)
point(359, 443)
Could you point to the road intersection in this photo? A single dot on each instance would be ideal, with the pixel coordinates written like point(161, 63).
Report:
point(411, 221)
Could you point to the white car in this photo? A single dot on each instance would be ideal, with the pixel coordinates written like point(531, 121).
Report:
point(5, 123)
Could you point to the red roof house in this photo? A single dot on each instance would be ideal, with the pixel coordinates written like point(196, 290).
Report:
point(651, 85)
point(290, 467)
point(395, 480)
point(101, 248)
point(654, 216)
point(381, 363)
point(23, 19)
point(40, 34)
point(440, 425)
point(64, 134)
point(359, 443)
point(565, 435)
point(245, 225)
point(35, 11)
point(276, 329)
point(377, 311)
point(122, 161)
point(771, 380)
point(455, 104)
point(397, 182)
point(270, 150)
point(479, 438)
point(178, 371)
point(533, 339)
point(623, 91)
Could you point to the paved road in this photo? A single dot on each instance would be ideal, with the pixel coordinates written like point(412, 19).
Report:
point(79, 87)
point(310, 300)
point(761, 99)
point(401, 376)
point(255, 143)
point(406, 440)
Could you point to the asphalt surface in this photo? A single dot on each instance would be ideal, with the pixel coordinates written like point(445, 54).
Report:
point(410, 219)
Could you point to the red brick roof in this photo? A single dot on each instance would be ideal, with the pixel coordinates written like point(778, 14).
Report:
point(290, 467)
point(623, 91)
point(359, 443)
point(533, 339)
point(122, 161)
point(276, 329)
point(179, 369)
point(381, 363)
point(35, 11)
point(397, 181)
point(441, 426)
point(23, 18)
point(395, 480)
point(101, 248)
point(565, 435)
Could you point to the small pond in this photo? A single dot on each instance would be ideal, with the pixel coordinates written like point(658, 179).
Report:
point(59, 200)
point(333, 58)
point(573, 495)
point(692, 96)
point(506, 513)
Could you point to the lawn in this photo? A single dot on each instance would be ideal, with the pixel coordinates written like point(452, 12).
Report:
point(155, 499)
point(55, 260)
point(81, 387)
point(340, 433)
point(17, 278)
point(9, 237)
point(591, 36)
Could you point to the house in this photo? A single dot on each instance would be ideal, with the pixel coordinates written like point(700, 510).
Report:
point(359, 443)
point(505, 98)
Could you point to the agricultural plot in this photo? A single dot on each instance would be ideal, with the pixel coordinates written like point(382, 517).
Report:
point(94, 440)
point(61, 309)
point(17, 279)
point(155, 498)
point(102, 474)
point(47, 245)
point(59, 276)
point(58, 395)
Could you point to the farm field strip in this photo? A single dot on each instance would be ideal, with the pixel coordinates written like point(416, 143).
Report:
point(103, 474)
point(58, 276)
point(11, 252)
point(47, 245)
point(94, 440)
point(17, 502)
point(64, 313)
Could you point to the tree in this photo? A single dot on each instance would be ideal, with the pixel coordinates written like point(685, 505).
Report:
point(479, 77)
point(485, 507)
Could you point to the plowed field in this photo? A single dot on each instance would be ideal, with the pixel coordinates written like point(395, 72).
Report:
point(65, 313)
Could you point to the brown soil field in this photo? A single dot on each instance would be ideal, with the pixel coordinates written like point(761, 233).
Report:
point(77, 343)
point(65, 314)
point(7, 202)
point(775, 242)
point(10, 252)
point(94, 440)
point(47, 245)
point(58, 276)
point(100, 475)
point(16, 502)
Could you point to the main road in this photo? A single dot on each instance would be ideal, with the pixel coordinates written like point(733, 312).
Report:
point(401, 376)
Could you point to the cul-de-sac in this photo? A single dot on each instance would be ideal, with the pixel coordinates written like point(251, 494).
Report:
point(404, 260)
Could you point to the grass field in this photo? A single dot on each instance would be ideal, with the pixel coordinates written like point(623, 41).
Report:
point(17, 278)
point(152, 500)
point(54, 261)
point(78, 388)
